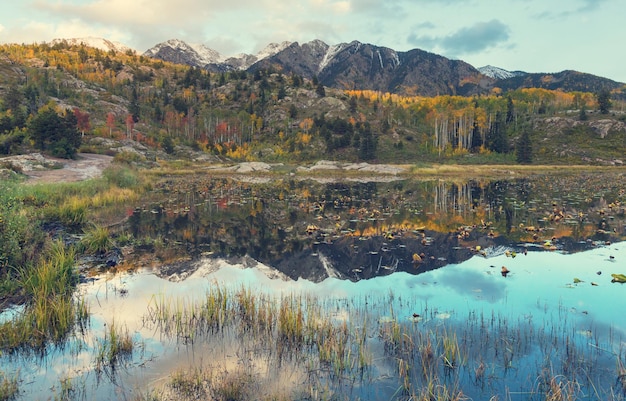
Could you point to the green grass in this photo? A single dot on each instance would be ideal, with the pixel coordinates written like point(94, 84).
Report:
point(9, 389)
point(115, 348)
point(50, 312)
point(430, 360)
point(39, 272)
point(97, 239)
point(122, 176)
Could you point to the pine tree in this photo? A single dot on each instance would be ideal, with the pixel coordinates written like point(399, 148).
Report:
point(367, 142)
point(477, 141)
point(582, 116)
point(55, 133)
point(510, 110)
point(498, 141)
point(524, 150)
point(604, 101)
point(352, 103)
point(321, 92)
point(133, 107)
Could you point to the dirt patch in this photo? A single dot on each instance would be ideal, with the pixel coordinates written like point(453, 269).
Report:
point(86, 166)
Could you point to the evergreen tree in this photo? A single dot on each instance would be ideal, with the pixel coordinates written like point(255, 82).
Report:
point(604, 101)
point(133, 107)
point(477, 140)
point(293, 111)
point(296, 80)
point(12, 98)
point(367, 142)
point(498, 141)
point(321, 92)
point(6, 124)
point(352, 103)
point(55, 133)
point(282, 92)
point(582, 115)
point(167, 144)
point(385, 126)
point(510, 110)
point(524, 150)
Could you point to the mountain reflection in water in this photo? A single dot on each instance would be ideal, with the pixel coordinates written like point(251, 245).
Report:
point(555, 315)
point(521, 326)
point(359, 230)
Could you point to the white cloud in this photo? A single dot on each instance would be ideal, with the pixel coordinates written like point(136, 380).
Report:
point(341, 7)
point(522, 33)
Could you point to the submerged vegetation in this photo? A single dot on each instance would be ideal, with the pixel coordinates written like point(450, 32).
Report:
point(38, 259)
point(115, 348)
point(8, 387)
point(349, 349)
point(50, 311)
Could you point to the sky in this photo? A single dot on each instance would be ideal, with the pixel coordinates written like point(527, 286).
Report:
point(528, 35)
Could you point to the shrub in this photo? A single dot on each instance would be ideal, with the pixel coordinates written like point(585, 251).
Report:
point(121, 176)
point(97, 240)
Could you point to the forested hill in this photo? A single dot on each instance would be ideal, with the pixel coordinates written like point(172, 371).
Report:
point(57, 98)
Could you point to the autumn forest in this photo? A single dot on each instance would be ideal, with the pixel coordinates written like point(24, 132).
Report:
point(52, 96)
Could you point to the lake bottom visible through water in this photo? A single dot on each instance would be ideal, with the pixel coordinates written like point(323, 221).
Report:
point(553, 322)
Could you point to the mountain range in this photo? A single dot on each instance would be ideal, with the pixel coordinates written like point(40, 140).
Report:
point(357, 65)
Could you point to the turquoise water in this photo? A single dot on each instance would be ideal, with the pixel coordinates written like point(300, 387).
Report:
point(549, 307)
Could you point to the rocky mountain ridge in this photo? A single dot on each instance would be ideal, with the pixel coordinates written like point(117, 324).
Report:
point(357, 65)
point(499, 73)
point(199, 55)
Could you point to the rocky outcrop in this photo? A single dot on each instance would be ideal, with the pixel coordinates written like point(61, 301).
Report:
point(603, 127)
point(28, 163)
point(559, 125)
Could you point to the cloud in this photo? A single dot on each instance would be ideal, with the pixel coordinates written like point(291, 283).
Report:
point(146, 21)
point(469, 40)
point(335, 6)
point(378, 8)
point(573, 8)
point(591, 5)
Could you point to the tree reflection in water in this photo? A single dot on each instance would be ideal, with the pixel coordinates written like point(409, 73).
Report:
point(358, 230)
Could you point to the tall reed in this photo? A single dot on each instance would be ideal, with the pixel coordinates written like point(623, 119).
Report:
point(116, 347)
point(9, 389)
point(51, 312)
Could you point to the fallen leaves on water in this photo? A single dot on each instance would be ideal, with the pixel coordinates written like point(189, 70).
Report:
point(618, 278)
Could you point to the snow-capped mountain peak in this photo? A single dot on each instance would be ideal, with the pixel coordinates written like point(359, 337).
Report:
point(331, 52)
point(499, 73)
point(272, 49)
point(197, 55)
point(206, 53)
point(95, 42)
point(201, 56)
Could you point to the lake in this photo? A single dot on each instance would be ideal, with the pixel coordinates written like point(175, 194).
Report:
point(241, 287)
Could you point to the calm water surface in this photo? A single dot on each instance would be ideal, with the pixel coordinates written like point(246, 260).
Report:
point(423, 257)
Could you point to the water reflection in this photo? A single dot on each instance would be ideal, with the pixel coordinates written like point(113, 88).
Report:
point(550, 305)
point(474, 284)
point(359, 230)
point(371, 255)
